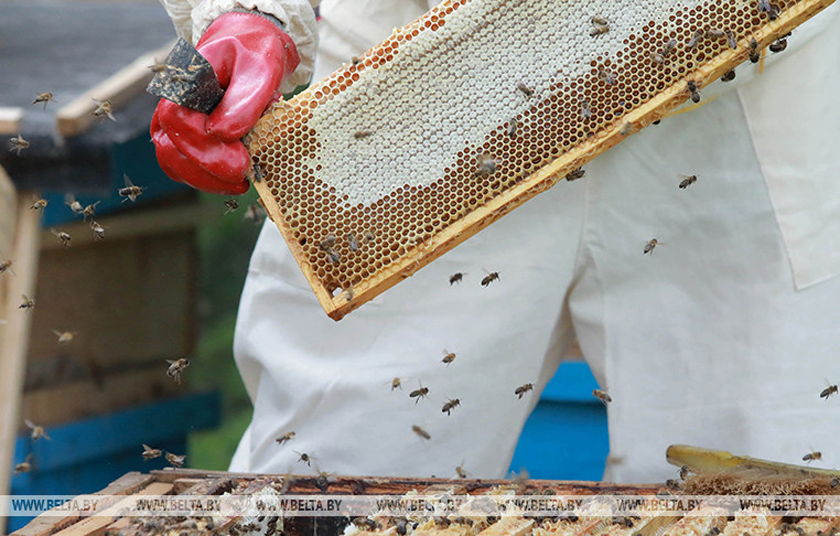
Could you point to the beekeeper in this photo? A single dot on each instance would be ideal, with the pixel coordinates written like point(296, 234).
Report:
point(722, 336)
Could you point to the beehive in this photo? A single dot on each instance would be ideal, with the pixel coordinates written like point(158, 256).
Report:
point(471, 110)
point(114, 517)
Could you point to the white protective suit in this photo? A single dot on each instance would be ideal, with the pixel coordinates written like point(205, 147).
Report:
point(722, 337)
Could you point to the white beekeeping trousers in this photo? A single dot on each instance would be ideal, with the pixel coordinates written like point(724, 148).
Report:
point(721, 337)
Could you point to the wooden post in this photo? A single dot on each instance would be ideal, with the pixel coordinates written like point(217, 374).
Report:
point(20, 240)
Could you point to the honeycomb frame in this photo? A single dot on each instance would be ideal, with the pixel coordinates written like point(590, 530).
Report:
point(352, 245)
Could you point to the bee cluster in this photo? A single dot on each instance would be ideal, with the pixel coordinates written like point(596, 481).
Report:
point(330, 167)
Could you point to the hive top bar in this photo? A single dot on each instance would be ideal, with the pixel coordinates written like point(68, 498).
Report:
point(473, 109)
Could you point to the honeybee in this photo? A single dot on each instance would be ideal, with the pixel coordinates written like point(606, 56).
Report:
point(715, 33)
point(692, 88)
point(606, 76)
point(451, 404)
point(37, 431)
point(755, 57)
point(650, 245)
point(687, 180)
point(575, 174)
point(419, 431)
point(456, 278)
point(812, 456)
point(369, 236)
point(175, 460)
point(304, 458)
point(695, 39)
point(176, 368)
point(258, 173)
point(27, 303)
point(231, 205)
point(419, 393)
point(90, 211)
point(64, 337)
point(778, 45)
point(835, 482)
point(103, 109)
point(599, 29)
point(585, 108)
point(362, 134)
point(486, 164)
point(669, 48)
point(130, 191)
point(63, 237)
point(285, 438)
point(626, 128)
point(684, 470)
point(730, 39)
point(525, 89)
point(602, 395)
point(38, 204)
point(332, 256)
point(98, 230)
point(522, 389)
point(448, 357)
point(252, 213)
point(365, 523)
point(352, 242)
point(491, 276)
point(461, 472)
point(658, 58)
point(728, 76)
point(327, 242)
point(25, 466)
point(764, 6)
point(600, 21)
point(395, 383)
point(513, 125)
point(828, 391)
point(158, 67)
point(43, 97)
point(74, 205)
point(150, 454)
point(6, 266)
point(18, 144)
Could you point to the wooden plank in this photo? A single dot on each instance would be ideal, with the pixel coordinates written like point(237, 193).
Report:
point(135, 223)
point(65, 403)
point(8, 215)
point(77, 116)
point(96, 525)
point(11, 120)
point(48, 523)
point(150, 280)
point(14, 335)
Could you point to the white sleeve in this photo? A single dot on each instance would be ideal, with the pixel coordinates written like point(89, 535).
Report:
point(297, 16)
point(192, 17)
point(180, 11)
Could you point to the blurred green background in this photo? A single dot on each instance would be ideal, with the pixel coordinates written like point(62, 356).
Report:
point(225, 245)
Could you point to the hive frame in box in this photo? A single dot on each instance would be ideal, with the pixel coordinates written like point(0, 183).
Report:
point(344, 219)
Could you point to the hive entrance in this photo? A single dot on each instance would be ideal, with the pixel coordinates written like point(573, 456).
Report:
point(471, 110)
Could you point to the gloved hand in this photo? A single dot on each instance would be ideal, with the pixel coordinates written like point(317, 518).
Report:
point(251, 55)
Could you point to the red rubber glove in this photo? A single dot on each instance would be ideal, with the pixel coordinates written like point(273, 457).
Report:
point(250, 55)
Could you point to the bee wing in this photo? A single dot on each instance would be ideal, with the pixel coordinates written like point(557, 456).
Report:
point(25, 297)
point(128, 182)
point(46, 436)
point(29, 423)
